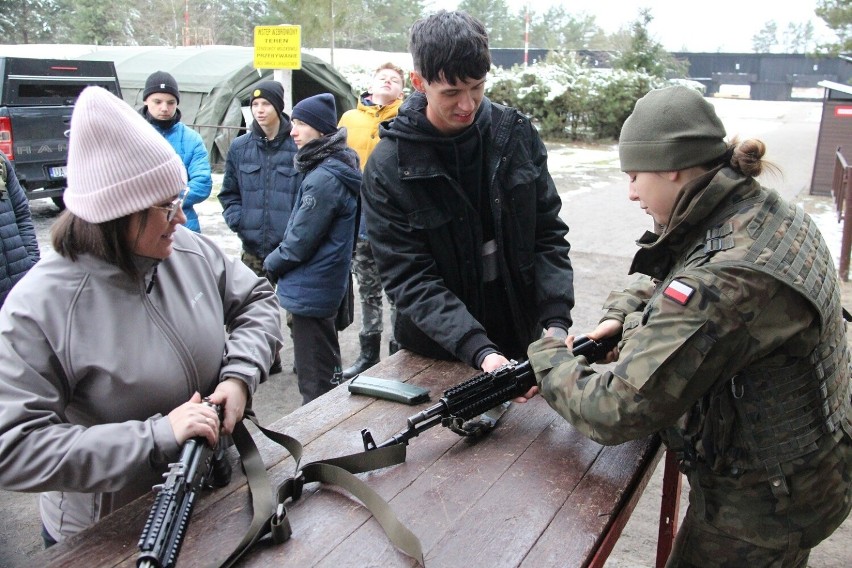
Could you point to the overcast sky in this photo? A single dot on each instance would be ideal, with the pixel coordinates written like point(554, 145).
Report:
point(682, 25)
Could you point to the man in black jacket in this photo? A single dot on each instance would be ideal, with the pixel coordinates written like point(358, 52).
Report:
point(260, 184)
point(461, 211)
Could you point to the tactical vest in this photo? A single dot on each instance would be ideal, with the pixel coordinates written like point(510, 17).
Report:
point(761, 418)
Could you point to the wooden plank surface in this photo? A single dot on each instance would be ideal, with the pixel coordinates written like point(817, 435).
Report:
point(533, 492)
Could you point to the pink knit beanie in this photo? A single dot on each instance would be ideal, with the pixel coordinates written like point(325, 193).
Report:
point(117, 163)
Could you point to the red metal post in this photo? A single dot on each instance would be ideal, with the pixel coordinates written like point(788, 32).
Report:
point(669, 509)
point(840, 187)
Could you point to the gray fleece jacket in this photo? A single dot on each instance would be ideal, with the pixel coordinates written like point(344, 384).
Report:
point(91, 364)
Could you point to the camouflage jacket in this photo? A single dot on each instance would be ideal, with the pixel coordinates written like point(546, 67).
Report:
point(706, 315)
point(735, 329)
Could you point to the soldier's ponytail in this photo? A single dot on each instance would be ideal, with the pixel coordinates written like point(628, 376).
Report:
point(746, 157)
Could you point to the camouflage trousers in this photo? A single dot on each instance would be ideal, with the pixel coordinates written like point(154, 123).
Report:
point(739, 521)
point(256, 264)
point(700, 545)
point(369, 290)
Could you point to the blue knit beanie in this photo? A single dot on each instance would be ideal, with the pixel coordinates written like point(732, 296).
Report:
point(319, 112)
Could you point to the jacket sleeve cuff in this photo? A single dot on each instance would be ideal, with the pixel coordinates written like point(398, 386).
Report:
point(556, 314)
point(545, 354)
point(244, 371)
point(475, 348)
point(561, 323)
point(166, 447)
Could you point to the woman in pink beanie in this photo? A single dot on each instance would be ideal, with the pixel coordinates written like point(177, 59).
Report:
point(108, 344)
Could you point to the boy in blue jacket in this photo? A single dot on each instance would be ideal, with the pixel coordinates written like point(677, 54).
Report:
point(162, 97)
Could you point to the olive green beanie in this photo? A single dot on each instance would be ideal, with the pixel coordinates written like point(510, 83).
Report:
point(670, 129)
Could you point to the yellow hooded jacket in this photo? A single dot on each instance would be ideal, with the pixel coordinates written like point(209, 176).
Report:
point(362, 125)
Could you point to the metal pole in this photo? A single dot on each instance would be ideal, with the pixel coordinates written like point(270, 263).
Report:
point(842, 188)
point(186, 23)
point(526, 35)
point(331, 52)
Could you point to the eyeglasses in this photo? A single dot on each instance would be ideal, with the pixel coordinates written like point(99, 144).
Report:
point(172, 208)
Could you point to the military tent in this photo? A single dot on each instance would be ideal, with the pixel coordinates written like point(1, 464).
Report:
point(215, 82)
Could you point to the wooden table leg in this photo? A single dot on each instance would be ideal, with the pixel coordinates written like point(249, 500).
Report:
point(633, 493)
point(669, 509)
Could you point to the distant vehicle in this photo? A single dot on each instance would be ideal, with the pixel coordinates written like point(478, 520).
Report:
point(36, 100)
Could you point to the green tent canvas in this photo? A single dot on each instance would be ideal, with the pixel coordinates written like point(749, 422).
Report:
point(215, 83)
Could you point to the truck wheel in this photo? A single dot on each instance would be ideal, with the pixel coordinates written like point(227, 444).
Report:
point(59, 202)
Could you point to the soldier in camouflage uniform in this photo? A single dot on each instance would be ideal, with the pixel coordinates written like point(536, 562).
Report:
point(734, 346)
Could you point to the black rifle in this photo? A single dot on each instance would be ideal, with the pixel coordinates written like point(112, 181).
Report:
point(483, 392)
point(199, 466)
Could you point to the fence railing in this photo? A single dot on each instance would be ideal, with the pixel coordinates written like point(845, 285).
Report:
point(841, 188)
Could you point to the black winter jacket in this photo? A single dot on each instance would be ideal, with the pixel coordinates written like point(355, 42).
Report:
point(18, 245)
point(259, 187)
point(426, 235)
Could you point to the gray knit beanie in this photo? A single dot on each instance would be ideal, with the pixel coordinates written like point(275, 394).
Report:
point(319, 112)
point(670, 129)
point(117, 163)
point(161, 82)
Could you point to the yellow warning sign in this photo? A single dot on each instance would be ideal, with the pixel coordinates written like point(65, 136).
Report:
point(278, 47)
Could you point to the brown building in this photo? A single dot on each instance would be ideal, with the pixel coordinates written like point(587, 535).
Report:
point(835, 131)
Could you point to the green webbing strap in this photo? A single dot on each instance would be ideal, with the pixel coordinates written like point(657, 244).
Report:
point(269, 514)
point(262, 499)
point(327, 472)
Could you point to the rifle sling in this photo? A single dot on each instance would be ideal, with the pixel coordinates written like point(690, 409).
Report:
point(269, 514)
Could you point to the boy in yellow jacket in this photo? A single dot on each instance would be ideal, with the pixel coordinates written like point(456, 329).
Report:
point(379, 103)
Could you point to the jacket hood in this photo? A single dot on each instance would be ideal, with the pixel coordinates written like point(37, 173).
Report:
point(411, 122)
point(160, 124)
point(697, 204)
point(283, 129)
point(344, 166)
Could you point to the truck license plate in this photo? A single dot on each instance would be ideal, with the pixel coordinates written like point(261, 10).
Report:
point(58, 172)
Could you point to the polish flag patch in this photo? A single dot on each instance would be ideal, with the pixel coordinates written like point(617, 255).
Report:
point(679, 292)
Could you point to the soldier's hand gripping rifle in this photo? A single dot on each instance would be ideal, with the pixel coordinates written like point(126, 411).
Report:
point(199, 466)
point(483, 392)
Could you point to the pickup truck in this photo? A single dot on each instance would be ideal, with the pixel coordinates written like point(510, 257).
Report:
point(36, 100)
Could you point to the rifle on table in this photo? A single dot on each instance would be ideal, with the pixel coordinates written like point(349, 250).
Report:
point(483, 392)
point(199, 466)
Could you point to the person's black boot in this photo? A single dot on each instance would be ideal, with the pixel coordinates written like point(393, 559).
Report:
point(370, 346)
point(393, 347)
point(276, 365)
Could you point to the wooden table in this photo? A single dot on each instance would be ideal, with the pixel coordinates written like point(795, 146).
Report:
point(533, 492)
